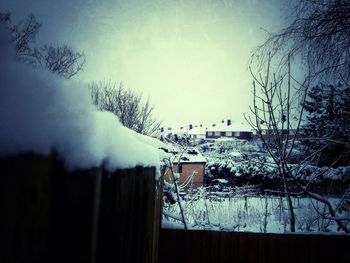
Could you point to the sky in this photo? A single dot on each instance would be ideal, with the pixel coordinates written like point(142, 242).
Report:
point(189, 57)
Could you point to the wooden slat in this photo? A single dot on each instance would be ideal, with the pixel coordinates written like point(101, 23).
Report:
point(263, 248)
point(47, 213)
point(24, 201)
point(126, 224)
point(211, 246)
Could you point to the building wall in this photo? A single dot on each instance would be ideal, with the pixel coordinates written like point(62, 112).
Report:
point(187, 170)
point(242, 135)
point(245, 136)
point(197, 137)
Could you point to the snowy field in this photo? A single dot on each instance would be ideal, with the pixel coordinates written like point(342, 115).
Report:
point(249, 214)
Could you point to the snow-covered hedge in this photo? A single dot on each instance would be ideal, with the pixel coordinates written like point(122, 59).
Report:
point(319, 174)
point(231, 159)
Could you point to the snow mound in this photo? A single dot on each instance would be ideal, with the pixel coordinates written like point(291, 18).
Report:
point(40, 112)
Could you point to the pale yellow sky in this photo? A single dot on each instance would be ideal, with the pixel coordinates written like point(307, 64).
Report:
point(190, 57)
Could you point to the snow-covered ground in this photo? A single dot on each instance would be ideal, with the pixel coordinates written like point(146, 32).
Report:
point(233, 164)
point(251, 214)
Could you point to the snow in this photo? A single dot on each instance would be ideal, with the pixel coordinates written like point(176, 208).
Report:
point(252, 214)
point(40, 112)
point(197, 131)
point(189, 155)
point(172, 225)
point(318, 174)
point(235, 154)
point(179, 131)
point(221, 181)
point(245, 208)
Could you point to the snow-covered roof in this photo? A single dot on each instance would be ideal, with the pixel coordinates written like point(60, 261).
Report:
point(234, 127)
point(185, 131)
point(197, 131)
point(177, 130)
point(191, 155)
point(186, 155)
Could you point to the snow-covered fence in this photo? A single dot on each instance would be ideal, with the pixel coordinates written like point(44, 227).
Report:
point(210, 246)
point(51, 215)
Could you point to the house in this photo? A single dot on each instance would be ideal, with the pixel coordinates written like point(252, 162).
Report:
point(190, 166)
point(229, 130)
point(188, 133)
point(175, 135)
point(196, 133)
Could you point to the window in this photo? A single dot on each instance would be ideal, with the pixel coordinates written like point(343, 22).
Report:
point(228, 134)
point(180, 168)
point(237, 134)
point(217, 133)
point(210, 134)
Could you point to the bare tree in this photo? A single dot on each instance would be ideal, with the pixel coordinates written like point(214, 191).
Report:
point(61, 60)
point(319, 33)
point(131, 110)
point(277, 114)
point(273, 123)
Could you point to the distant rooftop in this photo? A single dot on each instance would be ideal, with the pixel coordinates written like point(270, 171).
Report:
point(234, 127)
point(198, 130)
point(189, 155)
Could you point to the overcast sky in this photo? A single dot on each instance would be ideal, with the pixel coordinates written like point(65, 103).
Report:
point(189, 56)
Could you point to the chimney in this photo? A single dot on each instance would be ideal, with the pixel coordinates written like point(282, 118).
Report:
point(162, 129)
point(214, 125)
point(191, 126)
point(228, 122)
point(222, 121)
point(200, 125)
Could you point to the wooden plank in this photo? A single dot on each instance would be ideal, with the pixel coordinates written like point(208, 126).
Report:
point(24, 206)
point(343, 249)
point(46, 213)
point(263, 248)
point(71, 211)
point(215, 244)
point(251, 247)
point(198, 252)
point(272, 247)
point(185, 248)
point(281, 247)
point(158, 203)
point(224, 250)
point(243, 247)
point(126, 225)
point(175, 251)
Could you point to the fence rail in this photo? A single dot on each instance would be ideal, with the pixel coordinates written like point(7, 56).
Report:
point(209, 246)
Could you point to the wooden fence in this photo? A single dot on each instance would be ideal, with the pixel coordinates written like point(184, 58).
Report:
point(50, 215)
point(209, 246)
